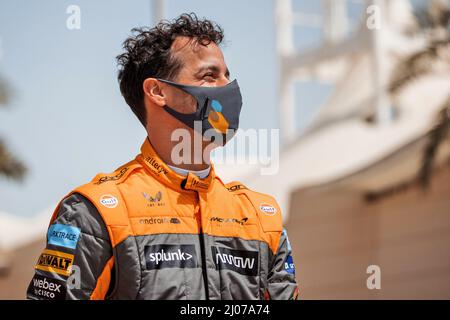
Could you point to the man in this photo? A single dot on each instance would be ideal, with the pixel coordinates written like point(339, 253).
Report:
point(158, 227)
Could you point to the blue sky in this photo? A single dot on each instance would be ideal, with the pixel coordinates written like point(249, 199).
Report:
point(67, 120)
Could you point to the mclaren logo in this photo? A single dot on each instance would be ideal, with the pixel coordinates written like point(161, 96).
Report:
point(229, 220)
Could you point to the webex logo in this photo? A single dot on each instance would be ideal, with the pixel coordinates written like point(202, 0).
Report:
point(47, 288)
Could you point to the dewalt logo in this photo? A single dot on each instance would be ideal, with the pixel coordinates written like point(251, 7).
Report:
point(55, 261)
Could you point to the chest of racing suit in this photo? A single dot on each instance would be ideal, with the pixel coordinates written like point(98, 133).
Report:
point(145, 232)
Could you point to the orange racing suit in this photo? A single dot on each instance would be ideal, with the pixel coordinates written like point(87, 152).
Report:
point(146, 232)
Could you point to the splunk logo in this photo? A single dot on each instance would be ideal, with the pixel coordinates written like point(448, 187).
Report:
point(162, 256)
point(240, 261)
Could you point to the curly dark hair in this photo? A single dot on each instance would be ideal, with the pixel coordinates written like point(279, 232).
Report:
point(147, 54)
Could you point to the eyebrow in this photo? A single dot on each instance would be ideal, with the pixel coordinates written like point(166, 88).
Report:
point(215, 69)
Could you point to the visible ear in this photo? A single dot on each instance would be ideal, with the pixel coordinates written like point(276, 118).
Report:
point(153, 91)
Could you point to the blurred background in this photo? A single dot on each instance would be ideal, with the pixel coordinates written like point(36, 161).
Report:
point(360, 91)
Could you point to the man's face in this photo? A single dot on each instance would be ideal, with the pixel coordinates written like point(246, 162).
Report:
point(201, 65)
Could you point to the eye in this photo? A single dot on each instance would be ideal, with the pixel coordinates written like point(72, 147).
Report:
point(208, 76)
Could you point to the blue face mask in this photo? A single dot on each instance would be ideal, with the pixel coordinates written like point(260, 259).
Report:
point(218, 108)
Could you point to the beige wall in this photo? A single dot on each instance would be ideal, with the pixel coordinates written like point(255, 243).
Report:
point(14, 283)
point(335, 235)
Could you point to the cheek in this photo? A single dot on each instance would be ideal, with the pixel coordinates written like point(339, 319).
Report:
point(182, 102)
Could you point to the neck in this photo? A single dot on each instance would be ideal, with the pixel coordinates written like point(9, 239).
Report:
point(164, 146)
point(202, 174)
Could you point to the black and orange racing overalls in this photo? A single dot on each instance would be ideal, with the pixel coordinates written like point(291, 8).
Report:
point(145, 232)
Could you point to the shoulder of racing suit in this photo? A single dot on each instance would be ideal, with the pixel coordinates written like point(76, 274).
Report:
point(266, 207)
point(117, 176)
point(110, 195)
point(102, 192)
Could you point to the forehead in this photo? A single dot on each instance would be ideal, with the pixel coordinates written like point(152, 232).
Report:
point(193, 54)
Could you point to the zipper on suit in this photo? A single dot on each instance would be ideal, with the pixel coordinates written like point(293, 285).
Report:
point(204, 270)
point(202, 248)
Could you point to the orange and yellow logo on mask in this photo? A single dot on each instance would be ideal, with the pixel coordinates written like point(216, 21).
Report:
point(216, 118)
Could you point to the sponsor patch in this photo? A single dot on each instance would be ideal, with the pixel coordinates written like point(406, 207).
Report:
point(236, 187)
point(47, 288)
point(112, 178)
point(156, 198)
point(55, 261)
point(199, 184)
point(159, 220)
point(267, 209)
point(109, 201)
point(240, 261)
point(63, 235)
point(289, 266)
point(170, 256)
point(155, 166)
point(193, 182)
point(229, 220)
point(153, 201)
